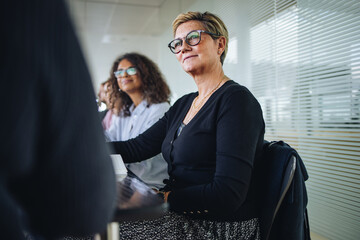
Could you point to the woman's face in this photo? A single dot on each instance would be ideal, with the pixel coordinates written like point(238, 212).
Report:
point(102, 92)
point(129, 83)
point(199, 58)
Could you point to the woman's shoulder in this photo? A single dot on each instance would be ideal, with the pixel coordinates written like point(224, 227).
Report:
point(164, 106)
point(234, 93)
point(160, 105)
point(233, 88)
point(185, 99)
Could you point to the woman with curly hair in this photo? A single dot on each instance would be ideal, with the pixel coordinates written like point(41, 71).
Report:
point(139, 91)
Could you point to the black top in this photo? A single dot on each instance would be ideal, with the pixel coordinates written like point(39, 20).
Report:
point(55, 171)
point(211, 162)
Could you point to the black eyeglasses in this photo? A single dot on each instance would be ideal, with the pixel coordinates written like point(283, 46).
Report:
point(130, 71)
point(193, 38)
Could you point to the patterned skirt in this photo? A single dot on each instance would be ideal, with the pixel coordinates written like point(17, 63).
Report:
point(175, 226)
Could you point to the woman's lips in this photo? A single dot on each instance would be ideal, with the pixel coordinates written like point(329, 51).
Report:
point(125, 81)
point(188, 57)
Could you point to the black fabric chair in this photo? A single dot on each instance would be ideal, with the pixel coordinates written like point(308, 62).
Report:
point(283, 197)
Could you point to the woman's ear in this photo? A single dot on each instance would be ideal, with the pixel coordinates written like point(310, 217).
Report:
point(221, 44)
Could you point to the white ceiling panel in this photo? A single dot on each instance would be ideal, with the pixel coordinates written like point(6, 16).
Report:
point(97, 16)
point(128, 17)
point(133, 19)
point(154, 3)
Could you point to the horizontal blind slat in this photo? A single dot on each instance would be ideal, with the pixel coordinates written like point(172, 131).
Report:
point(305, 70)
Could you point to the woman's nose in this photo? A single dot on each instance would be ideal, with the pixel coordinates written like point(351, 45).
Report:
point(125, 74)
point(185, 47)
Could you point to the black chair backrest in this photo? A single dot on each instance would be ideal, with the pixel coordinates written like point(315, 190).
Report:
point(278, 169)
point(286, 182)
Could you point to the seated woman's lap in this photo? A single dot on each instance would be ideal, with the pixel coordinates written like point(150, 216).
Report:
point(175, 226)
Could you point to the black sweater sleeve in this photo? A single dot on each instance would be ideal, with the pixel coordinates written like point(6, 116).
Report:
point(144, 146)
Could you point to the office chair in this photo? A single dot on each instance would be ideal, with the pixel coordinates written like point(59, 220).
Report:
point(284, 197)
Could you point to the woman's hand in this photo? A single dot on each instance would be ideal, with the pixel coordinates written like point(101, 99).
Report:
point(163, 195)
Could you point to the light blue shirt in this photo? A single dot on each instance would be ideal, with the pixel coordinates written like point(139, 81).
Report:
point(153, 170)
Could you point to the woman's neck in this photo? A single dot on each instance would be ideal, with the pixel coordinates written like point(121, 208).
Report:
point(136, 97)
point(208, 77)
point(207, 82)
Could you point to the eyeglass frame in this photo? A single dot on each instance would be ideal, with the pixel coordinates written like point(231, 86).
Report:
point(182, 41)
point(121, 73)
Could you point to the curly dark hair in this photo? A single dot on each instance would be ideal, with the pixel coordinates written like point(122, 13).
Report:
point(154, 86)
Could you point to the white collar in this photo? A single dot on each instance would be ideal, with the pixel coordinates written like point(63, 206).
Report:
point(139, 109)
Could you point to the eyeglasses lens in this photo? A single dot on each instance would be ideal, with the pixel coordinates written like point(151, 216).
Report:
point(121, 73)
point(176, 45)
point(193, 38)
point(131, 71)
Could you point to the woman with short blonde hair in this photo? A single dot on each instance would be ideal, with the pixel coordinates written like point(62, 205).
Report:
point(212, 141)
point(210, 22)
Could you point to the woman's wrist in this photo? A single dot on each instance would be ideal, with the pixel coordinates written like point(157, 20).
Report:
point(166, 196)
point(163, 195)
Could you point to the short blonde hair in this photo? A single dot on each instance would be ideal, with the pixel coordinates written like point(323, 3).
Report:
point(210, 22)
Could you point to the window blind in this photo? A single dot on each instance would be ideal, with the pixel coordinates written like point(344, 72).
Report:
point(305, 72)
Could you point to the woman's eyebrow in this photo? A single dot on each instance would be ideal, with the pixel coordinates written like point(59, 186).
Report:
point(125, 68)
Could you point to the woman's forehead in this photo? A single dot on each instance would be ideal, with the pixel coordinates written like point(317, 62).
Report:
point(124, 63)
point(187, 27)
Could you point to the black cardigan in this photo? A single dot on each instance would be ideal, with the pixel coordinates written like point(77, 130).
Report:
point(210, 164)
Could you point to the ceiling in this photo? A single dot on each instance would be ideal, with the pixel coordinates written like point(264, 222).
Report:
point(113, 18)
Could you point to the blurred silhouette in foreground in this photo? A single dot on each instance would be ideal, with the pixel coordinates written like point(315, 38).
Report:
point(56, 177)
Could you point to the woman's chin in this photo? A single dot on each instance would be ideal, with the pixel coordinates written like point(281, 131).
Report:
point(189, 68)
